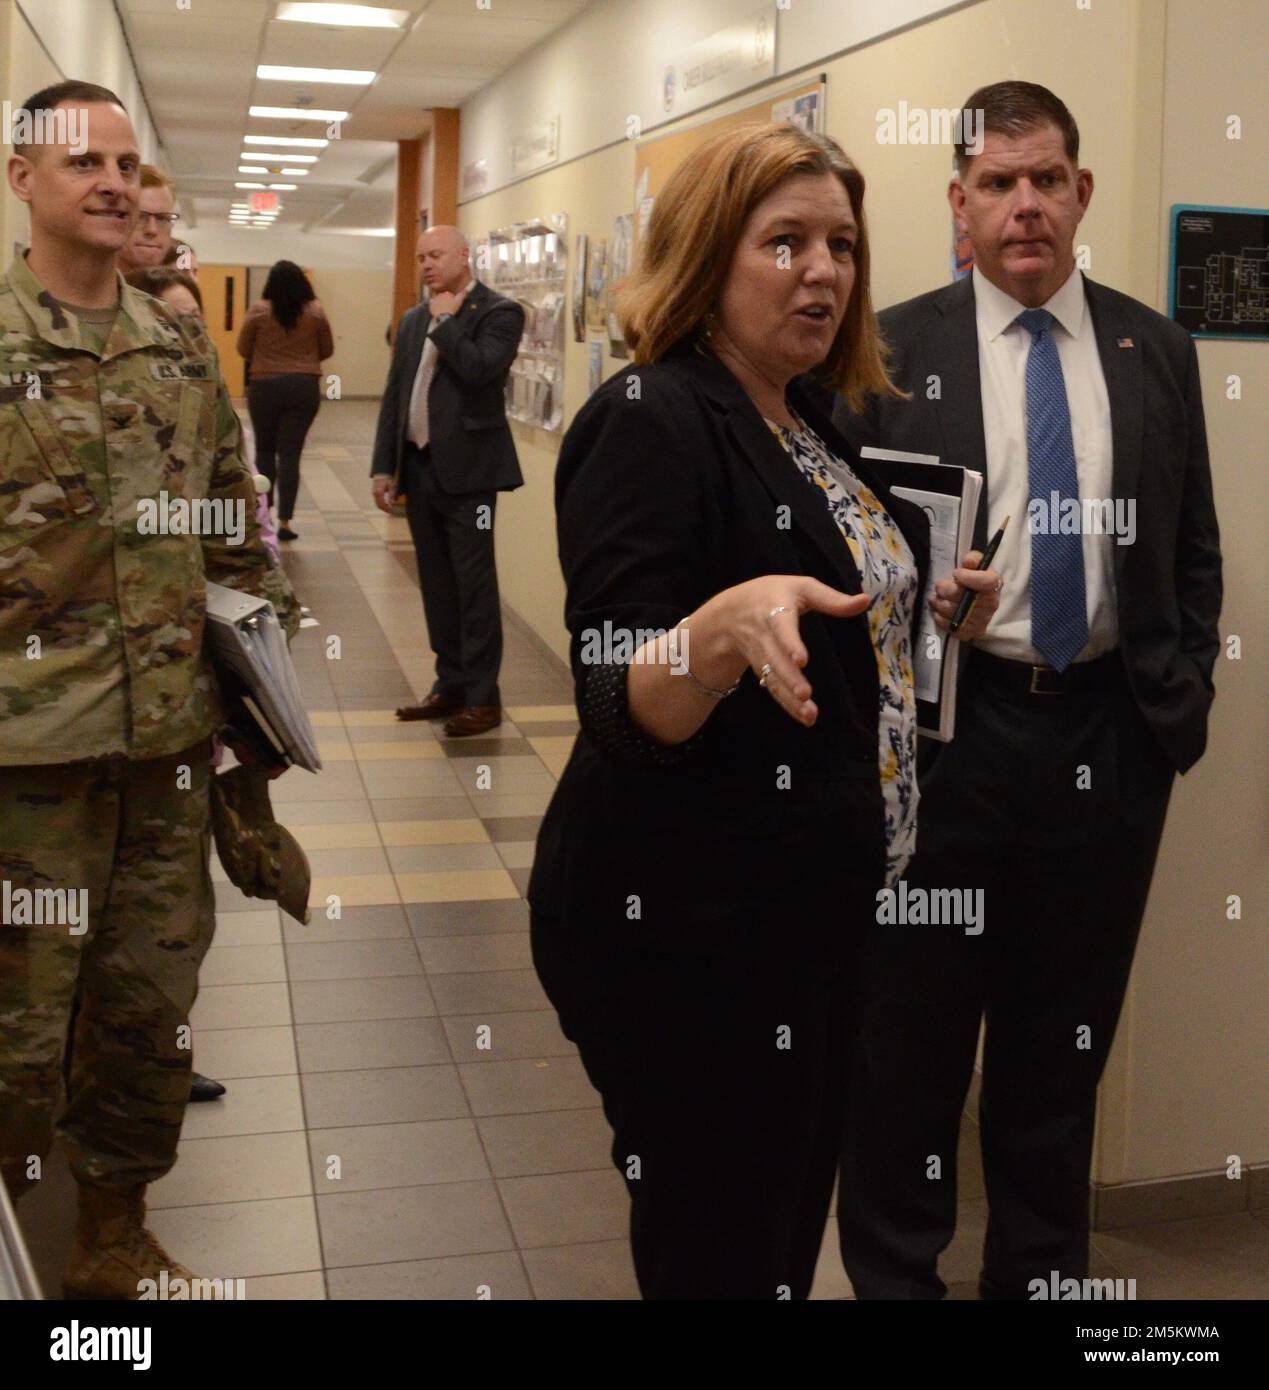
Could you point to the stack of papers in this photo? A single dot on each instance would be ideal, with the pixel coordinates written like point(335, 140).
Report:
point(948, 494)
point(253, 666)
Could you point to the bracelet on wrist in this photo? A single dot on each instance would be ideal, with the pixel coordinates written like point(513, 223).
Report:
point(677, 659)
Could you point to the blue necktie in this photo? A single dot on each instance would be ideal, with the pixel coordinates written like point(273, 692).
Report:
point(1059, 619)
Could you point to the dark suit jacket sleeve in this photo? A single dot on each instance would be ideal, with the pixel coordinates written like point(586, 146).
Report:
point(483, 355)
point(630, 512)
point(404, 359)
point(1198, 556)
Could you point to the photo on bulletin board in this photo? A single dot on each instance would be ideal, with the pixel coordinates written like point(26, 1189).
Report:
point(597, 287)
point(618, 269)
point(579, 288)
point(659, 154)
point(595, 365)
point(962, 254)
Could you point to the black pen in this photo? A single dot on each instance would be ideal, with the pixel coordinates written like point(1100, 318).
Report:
point(966, 606)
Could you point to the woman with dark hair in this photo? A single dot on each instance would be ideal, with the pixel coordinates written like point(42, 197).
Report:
point(284, 338)
point(742, 595)
point(175, 287)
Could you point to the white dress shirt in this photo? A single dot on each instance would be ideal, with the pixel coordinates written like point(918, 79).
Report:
point(417, 431)
point(1003, 346)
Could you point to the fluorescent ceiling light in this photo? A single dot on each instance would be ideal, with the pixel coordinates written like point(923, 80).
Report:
point(275, 157)
point(284, 187)
point(252, 169)
point(346, 77)
point(300, 142)
point(352, 16)
point(296, 173)
point(295, 113)
point(248, 185)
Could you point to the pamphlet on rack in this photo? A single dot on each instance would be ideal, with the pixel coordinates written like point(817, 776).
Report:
point(948, 494)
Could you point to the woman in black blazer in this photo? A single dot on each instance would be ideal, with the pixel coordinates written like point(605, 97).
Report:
point(743, 783)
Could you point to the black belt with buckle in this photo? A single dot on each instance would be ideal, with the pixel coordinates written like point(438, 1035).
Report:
point(1021, 678)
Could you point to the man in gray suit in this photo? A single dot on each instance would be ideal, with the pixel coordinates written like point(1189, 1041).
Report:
point(443, 440)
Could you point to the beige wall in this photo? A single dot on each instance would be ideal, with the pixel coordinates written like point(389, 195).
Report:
point(1150, 83)
point(24, 68)
point(1198, 1033)
point(359, 305)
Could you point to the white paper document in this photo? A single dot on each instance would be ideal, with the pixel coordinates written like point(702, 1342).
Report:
point(249, 654)
point(948, 494)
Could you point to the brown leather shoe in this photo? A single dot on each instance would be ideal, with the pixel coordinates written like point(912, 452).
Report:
point(478, 719)
point(433, 706)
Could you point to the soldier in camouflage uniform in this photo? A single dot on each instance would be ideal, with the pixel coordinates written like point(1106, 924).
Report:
point(112, 415)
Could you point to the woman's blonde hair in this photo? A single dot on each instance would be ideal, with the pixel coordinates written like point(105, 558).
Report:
point(696, 226)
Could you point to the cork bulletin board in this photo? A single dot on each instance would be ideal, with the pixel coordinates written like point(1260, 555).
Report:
point(658, 156)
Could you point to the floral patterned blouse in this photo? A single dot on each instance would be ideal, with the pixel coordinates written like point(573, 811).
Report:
point(889, 574)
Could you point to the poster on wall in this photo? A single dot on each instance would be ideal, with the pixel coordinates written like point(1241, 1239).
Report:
point(579, 288)
point(597, 287)
point(618, 269)
point(595, 364)
point(1218, 284)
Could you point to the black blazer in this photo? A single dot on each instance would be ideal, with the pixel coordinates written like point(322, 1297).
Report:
point(1168, 582)
point(471, 443)
point(669, 489)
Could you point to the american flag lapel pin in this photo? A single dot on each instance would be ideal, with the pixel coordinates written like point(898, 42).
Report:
point(1124, 342)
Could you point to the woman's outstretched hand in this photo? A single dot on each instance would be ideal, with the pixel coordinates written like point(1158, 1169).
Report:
point(759, 621)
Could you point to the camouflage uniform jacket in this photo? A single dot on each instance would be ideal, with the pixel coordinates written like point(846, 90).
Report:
point(108, 464)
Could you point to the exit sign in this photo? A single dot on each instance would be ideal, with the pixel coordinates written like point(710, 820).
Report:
point(264, 202)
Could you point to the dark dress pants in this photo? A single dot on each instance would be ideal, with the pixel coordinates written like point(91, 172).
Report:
point(454, 543)
point(282, 410)
point(727, 1140)
point(1065, 874)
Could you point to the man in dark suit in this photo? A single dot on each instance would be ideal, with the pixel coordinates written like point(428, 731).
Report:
point(443, 439)
point(1087, 694)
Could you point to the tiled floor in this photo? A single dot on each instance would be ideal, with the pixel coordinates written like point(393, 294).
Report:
point(404, 1118)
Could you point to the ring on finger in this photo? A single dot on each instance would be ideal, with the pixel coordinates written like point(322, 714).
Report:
point(765, 674)
point(779, 608)
point(1000, 584)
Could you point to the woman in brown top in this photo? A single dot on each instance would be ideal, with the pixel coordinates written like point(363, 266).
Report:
point(284, 339)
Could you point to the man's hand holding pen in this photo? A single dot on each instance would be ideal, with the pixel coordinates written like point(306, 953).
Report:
point(985, 584)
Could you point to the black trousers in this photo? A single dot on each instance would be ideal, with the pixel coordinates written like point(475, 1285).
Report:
point(282, 410)
point(1065, 871)
point(454, 543)
point(726, 1130)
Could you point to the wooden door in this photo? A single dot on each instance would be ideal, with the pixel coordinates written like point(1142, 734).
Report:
point(224, 290)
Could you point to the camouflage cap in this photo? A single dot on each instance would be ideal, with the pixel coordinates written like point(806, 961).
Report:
point(261, 857)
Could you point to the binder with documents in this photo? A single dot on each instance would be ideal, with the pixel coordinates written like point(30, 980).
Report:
point(948, 494)
point(249, 655)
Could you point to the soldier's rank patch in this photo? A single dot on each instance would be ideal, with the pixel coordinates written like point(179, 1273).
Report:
point(180, 371)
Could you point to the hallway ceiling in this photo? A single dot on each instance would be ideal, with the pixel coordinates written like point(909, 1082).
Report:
point(198, 68)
